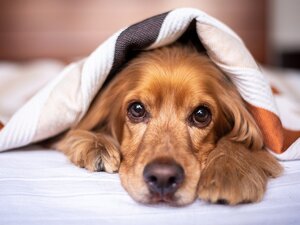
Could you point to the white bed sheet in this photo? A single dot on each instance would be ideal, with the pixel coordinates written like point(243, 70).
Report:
point(40, 186)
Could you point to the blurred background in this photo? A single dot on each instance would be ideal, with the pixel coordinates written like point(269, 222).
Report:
point(38, 37)
point(69, 29)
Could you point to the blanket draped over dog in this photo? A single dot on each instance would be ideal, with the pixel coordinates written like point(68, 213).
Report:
point(65, 100)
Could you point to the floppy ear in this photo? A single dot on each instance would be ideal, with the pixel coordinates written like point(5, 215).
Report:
point(94, 142)
point(238, 123)
point(233, 174)
point(106, 112)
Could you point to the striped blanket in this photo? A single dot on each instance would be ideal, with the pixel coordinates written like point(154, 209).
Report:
point(64, 101)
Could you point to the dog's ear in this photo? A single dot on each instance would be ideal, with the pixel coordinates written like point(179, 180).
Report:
point(94, 142)
point(106, 113)
point(237, 122)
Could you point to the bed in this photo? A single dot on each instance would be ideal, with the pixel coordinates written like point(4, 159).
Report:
point(40, 186)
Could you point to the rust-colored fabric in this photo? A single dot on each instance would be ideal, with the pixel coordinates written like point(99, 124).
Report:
point(275, 91)
point(1, 125)
point(289, 137)
point(276, 138)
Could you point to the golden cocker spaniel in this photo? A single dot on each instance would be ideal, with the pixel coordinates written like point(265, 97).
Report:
point(176, 128)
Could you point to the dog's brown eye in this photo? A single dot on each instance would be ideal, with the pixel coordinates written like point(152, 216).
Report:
point(136, 112)
point(201, 117)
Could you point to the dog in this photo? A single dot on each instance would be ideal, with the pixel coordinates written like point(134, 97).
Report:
point(176, 129)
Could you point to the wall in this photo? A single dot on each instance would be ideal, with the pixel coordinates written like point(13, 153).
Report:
point(66, 29)
point(284, 33)
point(285, 23)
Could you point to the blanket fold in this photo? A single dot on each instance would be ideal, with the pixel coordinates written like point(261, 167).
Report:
point(63, 102)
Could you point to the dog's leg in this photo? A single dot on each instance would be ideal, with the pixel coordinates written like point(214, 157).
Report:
point(234, 174)
point(93, 151)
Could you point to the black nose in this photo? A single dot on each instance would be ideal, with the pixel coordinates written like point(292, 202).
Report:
point(163, 177)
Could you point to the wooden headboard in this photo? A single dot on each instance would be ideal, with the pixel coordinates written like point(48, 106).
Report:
point(67, 29)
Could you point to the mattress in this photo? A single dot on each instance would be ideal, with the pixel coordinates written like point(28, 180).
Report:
point(40, 186)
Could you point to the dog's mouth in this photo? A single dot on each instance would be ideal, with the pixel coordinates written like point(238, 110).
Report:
point(164, 181)
point(169, 199)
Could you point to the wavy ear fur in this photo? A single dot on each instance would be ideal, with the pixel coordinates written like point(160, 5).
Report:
point(105, 112)
point(94, 142)
point(238, 168)
point(239, 124)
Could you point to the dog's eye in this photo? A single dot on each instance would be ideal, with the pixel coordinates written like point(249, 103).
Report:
point(201, 117)
point(136, 112)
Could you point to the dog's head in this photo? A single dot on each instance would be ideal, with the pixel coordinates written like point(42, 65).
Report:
point(167, 109)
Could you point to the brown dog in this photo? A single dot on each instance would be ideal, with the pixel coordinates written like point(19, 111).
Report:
point(176, 128)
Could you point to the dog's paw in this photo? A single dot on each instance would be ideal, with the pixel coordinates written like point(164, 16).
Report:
point(229, 185)
point(234, 176)
point(93, 151)
point(98, 156)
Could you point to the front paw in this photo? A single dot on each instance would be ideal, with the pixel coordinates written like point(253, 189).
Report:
point(93, 151)
point(232, 177)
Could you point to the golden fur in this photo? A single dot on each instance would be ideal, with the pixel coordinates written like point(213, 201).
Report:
point(223, 161)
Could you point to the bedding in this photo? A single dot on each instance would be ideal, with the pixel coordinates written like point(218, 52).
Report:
point(40, 186)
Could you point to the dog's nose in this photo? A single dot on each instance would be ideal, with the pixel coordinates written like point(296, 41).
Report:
point(163, 177)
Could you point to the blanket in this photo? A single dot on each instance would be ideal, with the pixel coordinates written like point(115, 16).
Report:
point(64, 101)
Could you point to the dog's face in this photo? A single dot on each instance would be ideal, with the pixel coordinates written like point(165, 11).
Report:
point(170, 116)
point(168, 108)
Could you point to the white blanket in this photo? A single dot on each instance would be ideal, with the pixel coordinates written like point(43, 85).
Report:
point(43, 187)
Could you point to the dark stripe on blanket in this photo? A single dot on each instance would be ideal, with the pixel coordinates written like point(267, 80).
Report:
point(136, 37)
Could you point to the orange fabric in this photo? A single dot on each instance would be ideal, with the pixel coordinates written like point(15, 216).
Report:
point(270, 126)
point(275, 91)
point(289, 137)
point(276, 138)
point(1, 125)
